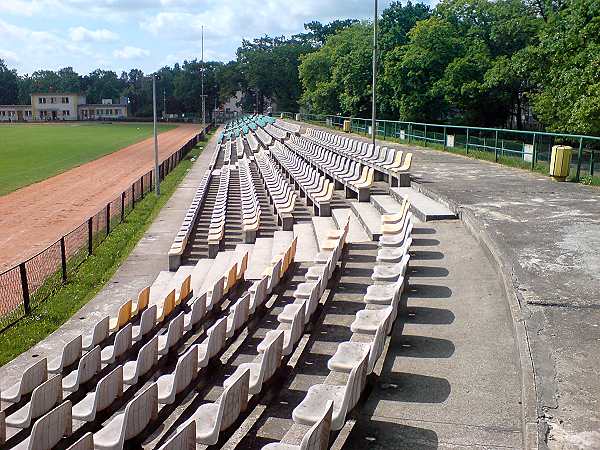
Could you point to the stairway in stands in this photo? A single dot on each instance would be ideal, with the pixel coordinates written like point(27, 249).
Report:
point(268, 221)
point(197, 247)
point(233, 216)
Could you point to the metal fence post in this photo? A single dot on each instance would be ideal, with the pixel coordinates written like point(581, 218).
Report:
point(496, 147)
point(151, 179)
point(63, 259)
point(533, 154)
point(592, 163)
point(445, 138)
point(409, 132)
point(579, 156)
point(107, 219)
point(25, 288)
point(467, 143)
point(122, 207)
point(425, 136)
point(90, 236)
point(133, 196)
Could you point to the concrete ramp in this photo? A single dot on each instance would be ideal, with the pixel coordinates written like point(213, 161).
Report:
point(425, 208)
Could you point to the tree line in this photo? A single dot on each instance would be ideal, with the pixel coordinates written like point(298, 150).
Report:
point(501, 63)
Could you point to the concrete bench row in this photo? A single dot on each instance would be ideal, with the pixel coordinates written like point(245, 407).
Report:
point(265, 138)
point(239, 147)
point(389, 163)
point(250, 203)
point(281, 194)
point(252, 142)
point(316, 189)
point(276, 133)
point(291, 128)
point(216, 230)
point(352, 176)
point(182, 237)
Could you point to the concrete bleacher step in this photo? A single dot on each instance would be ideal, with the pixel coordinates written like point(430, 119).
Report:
point(160, 285)
point(385, 204)
point(199, 273)
point(220, 265)
point(307, 247)
point(356, 232)
point(321, 226)
point(281, 241)
point(260, 258)
point(423, 207)
point(368, 217)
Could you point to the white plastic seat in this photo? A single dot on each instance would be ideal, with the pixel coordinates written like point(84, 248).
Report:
point(169, 385)
point(291, 333)
point(174, 333)
point(123, 316)
point(238, 315)
point(43, 399)
point(213, 343)
point(32, 377)
point(391, 272)
point(197, 313)
point(212, 418)
point(85, 443)
point(394, 254)
point(89, 365)
point(147, 358)
point(99, 334)
point(317, 437)
point(121, 344)
point(367, 321)
point(183, 439)
point(147, 324)
point(108, 389)
point(344, 398)
point(128, 424)
point(258, 293)
point(263, 367)
point(384, 294)
point(49, 430)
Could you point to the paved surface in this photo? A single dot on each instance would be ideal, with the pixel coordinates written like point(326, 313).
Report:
point(545, 237)
point(140, 269)
point(36, 216)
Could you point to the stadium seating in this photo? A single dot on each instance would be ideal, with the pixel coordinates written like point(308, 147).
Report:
point(250, 203)
point(281, 194)
point(217, 221)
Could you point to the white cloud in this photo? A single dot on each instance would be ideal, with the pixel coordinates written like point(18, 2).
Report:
point(129, 52)
point(9, 56)
point(82, 34)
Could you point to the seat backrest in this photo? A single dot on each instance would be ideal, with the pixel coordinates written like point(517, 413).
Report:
point(243, 266)
point(85, 443)
point(186, 369)
point(186, 289)
point(124, 313)
point(123, 340)
point(51, 428)
point(147, 357)
point(407, 161)
point(275, 275)
point(46, 396)
point(175, 330)
point(140, 411)
point(261, 291)
point(198, 309)
point(379, 341)
point(101, 331)
point(297, 329)
point(89, 365)
point(34, 376)
point(271, 358)
point(148, 320)
point(317, 437)
point(143, 299)
point(231, 277)
point(217, 291)
point(108, 389)
point(233, 400)
point(169, 303)
point(216, 336)
point(355, 385)
point(184, 439)
point(241, 311)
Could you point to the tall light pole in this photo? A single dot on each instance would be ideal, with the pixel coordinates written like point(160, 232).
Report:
point(156, 174)
point(203, 98)
point(374, 107)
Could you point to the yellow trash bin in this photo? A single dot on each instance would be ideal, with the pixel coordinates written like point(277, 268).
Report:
point(560, 162)
point(347, 126)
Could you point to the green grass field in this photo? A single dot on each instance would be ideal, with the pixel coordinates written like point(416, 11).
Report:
point(34, 152)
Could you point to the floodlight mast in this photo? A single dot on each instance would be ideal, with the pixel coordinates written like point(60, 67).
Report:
point(374, 104)
point(203, 97)
point(156, 173)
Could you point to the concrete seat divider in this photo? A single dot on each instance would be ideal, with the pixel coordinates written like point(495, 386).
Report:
point(108, 390)
point(99, 334)
point(32, 377)
point(69, 355)
point(130, 423)
point(43, 399)
point(49, 429)
point(317, 438)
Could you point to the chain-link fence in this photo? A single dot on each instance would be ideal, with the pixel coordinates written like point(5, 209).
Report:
point(31, 282)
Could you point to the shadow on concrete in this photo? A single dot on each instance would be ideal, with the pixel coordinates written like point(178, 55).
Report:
point(422, 347)
point(423, 315)
point(416, 290)
point(427, 271)
point(425, 255)
point(423, 230)
point(378, 435)
point(421, 242)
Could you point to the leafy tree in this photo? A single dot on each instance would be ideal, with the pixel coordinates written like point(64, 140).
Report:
point(397, 20)
point(569, 58)
point(318, 32)
point(9, 85)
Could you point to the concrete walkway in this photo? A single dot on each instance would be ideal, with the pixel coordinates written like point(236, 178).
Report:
point(544, 237)
point(139, 270)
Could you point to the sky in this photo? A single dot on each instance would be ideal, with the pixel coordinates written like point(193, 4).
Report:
point(149, 34)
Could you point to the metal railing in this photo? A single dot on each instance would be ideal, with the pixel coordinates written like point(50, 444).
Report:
point(28, 284)
point(530, 149)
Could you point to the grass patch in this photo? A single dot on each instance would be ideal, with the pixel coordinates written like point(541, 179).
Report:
point(94, 272)
point(34, 152)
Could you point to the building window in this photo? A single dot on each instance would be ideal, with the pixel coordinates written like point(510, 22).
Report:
point(52, 99)
point(66, 113)
point(42, 100)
